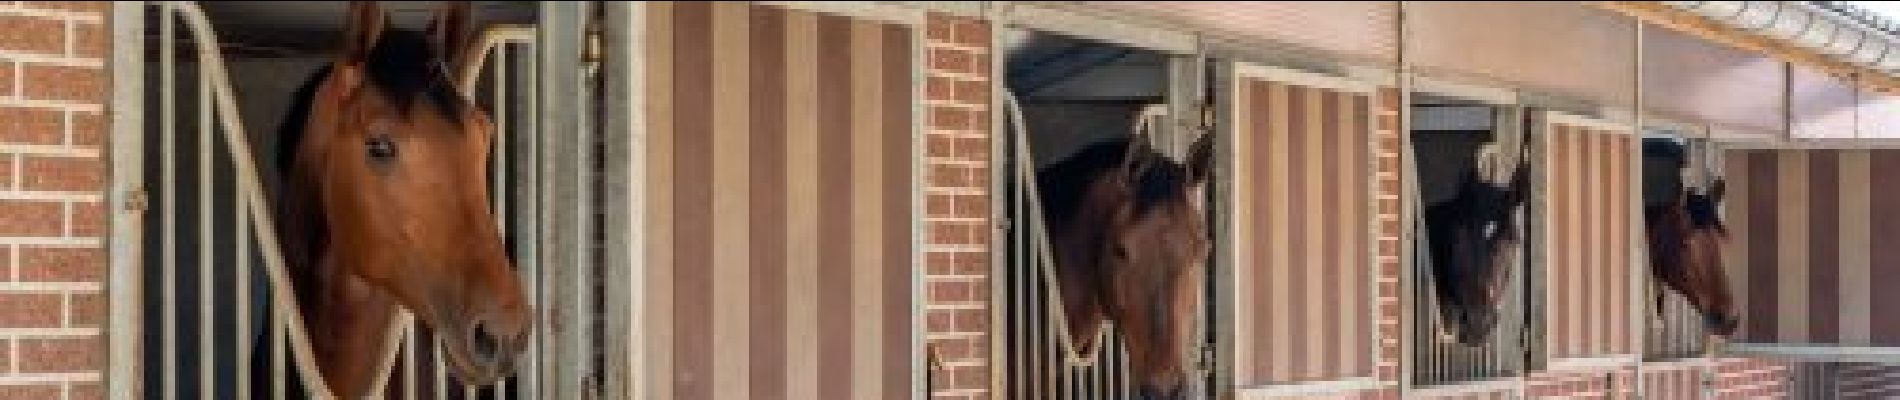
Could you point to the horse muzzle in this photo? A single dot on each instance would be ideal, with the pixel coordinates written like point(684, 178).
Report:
point(1153, 392)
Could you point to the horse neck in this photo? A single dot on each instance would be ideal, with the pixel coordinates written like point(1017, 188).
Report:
point(346, 318)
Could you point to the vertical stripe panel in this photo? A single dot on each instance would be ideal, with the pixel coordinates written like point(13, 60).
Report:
point(767, 225)
point(1824, 234)
point(1885, 312)
point(1353, 347)
point(1245, 210)
point(1792, 255)
point(1313, 219)
point(1574, 269)
point(899, 153)
point(1556, 260)
point(1629, 195)
point(730, 251)
point(1267, 293)
point(1299, 237)
point(1762, 246)
point(1735, 212)
point(1277, 224)
point(802, 205)
point(835, 201)
point(1589, 244)
point(867, 257)
point(659, 181)
point(1855, 243)
point(1331, 189)
point(693, 102)
point(1613, 216)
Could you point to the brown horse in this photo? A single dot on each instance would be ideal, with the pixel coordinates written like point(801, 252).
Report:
point(1473, 239)
point(1131, 245)
point(384, 205)
point(1685, 254)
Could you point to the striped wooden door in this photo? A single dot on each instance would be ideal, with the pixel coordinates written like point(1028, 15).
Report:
point(1302, 232)
point(1805, 256)
point(780, 204)
point(1587, 195)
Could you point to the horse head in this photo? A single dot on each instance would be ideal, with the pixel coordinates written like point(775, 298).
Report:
point(388, 168)
point(1686, 238)
point(1132, 248)
point(1474, 240)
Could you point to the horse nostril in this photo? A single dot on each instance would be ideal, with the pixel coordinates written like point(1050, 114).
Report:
point(484, 342)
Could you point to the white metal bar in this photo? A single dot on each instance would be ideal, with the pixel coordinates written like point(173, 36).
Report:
point(207, 311)
point(168, 150)
point(527, 160)
point(242, 282)
point(623, 128)
point(566, 317)
point(127, 199)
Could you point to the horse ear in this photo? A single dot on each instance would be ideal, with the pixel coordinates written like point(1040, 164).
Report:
point(1200, 160)
point(1135, 159)
point(1716, 190)
point(364, 27)
point(452, 33)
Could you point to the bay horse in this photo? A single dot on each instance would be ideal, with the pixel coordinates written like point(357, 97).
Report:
point(383, 205)
point(1685, 236)
point(1130, 243)
point(1473, 240)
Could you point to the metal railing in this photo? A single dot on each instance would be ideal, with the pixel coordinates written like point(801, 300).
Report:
point(1674, 333)
point(216, 325)
point(1037, 363)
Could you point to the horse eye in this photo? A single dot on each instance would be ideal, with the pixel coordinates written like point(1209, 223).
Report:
point(380, 147)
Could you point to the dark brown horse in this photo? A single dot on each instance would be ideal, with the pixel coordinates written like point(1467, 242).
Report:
point(1473, 239)
point(1685, 254)
point(1131, 245)
point(384, 205)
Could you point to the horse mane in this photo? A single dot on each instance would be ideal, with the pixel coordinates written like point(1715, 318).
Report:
point(1064, 183)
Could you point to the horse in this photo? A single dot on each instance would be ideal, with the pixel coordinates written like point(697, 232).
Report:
point(383, 205)
point(1472, 240)
point(1685, 236)
point(1130, 243)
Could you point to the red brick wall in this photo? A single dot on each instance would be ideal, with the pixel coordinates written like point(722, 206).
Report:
point(53, 90)
point(957, 202)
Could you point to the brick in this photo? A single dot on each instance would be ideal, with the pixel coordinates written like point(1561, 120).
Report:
point(951, 60)
point(939, 88)
point(951, 118)
point(89, 219)
point(29, 392)
point(91, 41)
point(61, 173)
point(61, 355)
point(29, 218)
point(59, 264)
point(938, 206)
point(29, 310)
point(90, 129)
point(86, 391)
point(32, 34)
point(64, 83)
point(7, 71)
point(972, 33)
point(977, 320)
point(6, 172)
point(31, 126)
point(88, 310)
point(938, 321)
point(939, 30)
point(973, 92)
point(979, 64)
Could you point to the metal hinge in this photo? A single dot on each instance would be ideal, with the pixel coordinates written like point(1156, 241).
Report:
point(136, 201)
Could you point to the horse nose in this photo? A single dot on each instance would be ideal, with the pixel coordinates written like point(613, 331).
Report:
point(494, 340)
point(1153, 392)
